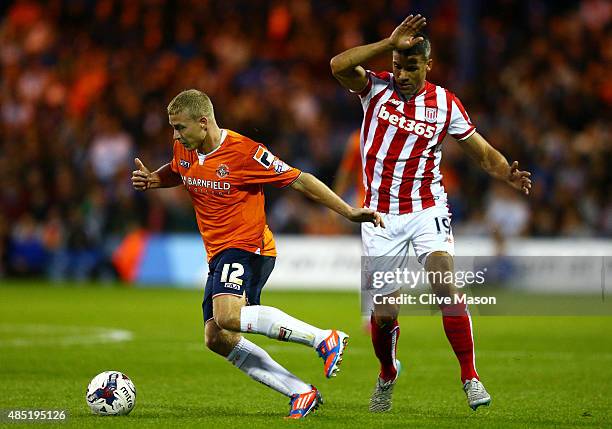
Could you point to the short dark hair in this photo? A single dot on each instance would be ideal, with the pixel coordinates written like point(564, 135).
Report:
point(422, 48)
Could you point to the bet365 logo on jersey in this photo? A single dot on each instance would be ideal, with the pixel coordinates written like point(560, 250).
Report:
point(393, 117)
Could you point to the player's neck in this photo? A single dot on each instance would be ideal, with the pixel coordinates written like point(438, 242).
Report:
point(211, 141)
point(415, 93)
point(421, 88)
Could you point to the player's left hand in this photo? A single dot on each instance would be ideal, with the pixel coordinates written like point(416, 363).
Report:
point(519, 179)
point(366, 215)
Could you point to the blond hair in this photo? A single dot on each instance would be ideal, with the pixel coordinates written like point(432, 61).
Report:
point(193, 102)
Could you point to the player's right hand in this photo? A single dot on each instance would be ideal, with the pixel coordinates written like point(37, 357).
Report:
point(402, 36)
point(141, 178)
point(366, 215)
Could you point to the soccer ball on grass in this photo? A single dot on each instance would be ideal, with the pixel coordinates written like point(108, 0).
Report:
point(111, 393)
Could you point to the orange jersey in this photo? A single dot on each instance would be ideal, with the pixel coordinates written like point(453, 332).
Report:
point(226, 187)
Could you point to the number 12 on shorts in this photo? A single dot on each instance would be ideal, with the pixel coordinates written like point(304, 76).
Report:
point(443, 222)
point(234, 276)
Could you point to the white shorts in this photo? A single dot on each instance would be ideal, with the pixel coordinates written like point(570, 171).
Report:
point(386, 249)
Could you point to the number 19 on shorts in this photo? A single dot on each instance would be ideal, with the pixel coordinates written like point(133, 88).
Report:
point(443, 225)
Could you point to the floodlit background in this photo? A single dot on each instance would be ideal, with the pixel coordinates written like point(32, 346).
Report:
point(84, 86)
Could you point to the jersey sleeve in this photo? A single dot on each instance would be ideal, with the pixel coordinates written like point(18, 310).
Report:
point(460, 126)
point(376, 83)
point(261, 167)
point(174, 163)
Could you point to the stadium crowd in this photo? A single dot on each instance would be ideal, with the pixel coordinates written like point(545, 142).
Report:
point(84, 86)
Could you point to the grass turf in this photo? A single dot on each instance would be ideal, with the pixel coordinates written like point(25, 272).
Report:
point(541, 371)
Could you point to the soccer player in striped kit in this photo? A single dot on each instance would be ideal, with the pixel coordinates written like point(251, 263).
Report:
point(405, 121)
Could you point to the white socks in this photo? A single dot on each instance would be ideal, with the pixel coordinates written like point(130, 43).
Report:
point(257, 364)
point(275, 324)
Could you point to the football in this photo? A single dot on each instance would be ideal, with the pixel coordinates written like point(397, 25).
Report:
point(111, 393)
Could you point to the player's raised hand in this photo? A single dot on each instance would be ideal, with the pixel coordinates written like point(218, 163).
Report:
point(366, 215)
point(519, 179)
point(141, 178)
point(403, 35)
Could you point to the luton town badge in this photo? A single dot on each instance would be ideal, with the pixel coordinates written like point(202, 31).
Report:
point(222, 171)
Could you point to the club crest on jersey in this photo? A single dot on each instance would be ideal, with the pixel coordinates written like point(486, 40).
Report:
point(264, 157)
point(222, 171)
point(184, 164)
point(431, 114)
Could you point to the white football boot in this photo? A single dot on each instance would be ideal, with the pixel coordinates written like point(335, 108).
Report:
point(476, 394)
point(381, 398)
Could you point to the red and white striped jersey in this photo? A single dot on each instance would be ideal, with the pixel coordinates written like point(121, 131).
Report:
point(401, 143)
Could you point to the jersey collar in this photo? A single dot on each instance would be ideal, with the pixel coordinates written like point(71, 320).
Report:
point(202, 156)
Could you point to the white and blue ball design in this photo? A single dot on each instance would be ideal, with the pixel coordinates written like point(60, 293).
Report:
point(111, 393)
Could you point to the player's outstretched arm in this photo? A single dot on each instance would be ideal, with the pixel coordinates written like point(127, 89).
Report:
point(163, 177)
point(494, 163)
point(318, 191)
point(347, 66)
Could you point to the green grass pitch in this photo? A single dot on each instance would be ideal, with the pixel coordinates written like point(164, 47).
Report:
point(541, 371)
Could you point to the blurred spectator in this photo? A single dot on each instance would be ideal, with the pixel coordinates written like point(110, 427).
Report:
point(80, 256)
point(84, 86)
point(111, 148)
point(27, 255)
point(4, 248)
point(506, 212)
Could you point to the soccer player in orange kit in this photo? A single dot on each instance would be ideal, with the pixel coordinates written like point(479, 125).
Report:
point(224, 173)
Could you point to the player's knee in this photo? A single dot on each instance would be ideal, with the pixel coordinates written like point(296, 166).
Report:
point(219, 342)
point(228, 321)
point(383, 319)
point(213, 341)
point(439, 261)
point(386, 314)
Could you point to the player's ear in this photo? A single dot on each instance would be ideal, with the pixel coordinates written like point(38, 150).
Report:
point(429, 64)
point(204, 123)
